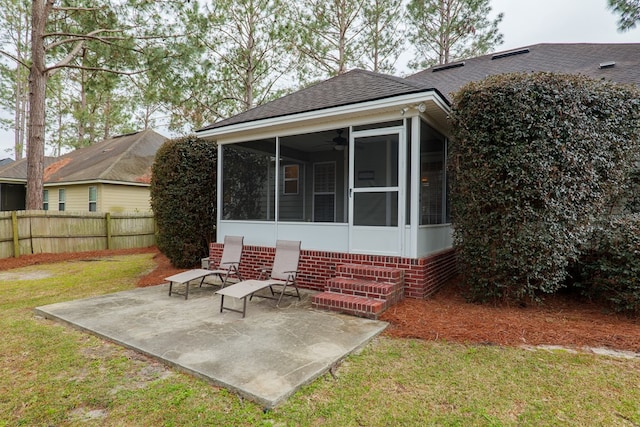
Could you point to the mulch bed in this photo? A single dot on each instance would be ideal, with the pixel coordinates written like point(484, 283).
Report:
point(561, 320)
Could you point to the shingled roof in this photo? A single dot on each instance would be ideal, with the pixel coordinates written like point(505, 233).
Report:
point(126, 158)
point(351, 87)
point(616, 62)
point(17, 170)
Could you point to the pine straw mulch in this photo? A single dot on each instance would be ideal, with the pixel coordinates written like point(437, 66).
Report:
point(560, 321)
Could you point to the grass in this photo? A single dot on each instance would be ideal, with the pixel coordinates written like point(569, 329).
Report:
point(54, 375)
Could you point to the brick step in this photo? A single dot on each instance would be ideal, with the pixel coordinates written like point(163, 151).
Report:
point(362, 288)
point(356, 306)
point(370, 272)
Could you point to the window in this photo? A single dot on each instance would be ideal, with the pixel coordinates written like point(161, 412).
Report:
point(93, 198)
point(248, 185)
point(324, 192)
point(45, 200)
point(291, 175)
point(61, 199)
point(433, 179)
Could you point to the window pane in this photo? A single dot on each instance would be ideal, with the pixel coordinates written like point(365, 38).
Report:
point(376, 161)
point(291, 172)
point(378, 209)
point(291, 203)
point(248, 180)
point(61, 199)
point(324, 207)
point(291, 187)
point(432, 176)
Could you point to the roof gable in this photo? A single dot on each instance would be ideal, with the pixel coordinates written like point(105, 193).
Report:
point(349, 88)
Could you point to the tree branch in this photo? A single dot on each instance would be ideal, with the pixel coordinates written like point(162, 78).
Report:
point(14, 58)
point(106, 70)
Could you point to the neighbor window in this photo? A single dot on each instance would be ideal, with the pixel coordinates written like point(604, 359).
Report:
point(61, 199)
point(45, 200)
point(93, 198)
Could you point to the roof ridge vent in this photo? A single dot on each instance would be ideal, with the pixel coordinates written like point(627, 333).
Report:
point(510, 53)
point(608, 64)
point(447, 66)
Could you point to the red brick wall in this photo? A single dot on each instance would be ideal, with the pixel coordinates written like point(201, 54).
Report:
point(423, 276)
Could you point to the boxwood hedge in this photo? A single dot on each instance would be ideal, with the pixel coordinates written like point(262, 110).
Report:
point(536, 159)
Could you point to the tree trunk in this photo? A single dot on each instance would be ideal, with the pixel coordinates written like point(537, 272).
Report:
point(37, 93)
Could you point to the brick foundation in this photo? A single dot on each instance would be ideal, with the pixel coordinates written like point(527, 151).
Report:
point(422, 276)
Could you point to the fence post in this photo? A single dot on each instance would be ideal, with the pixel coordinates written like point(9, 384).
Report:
point(16, 239)
point(108, 221)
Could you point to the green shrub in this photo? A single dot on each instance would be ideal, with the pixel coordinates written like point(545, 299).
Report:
point(183, 199)
point(535, 159)
point(609, 269)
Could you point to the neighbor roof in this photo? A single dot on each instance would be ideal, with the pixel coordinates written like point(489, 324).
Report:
point(616, 62)
point(125, 158)
point(17, 170)
point(349, 88)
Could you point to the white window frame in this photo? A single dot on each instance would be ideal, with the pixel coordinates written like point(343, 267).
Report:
point(286, 180)
point(62, 199)
point(93, 202)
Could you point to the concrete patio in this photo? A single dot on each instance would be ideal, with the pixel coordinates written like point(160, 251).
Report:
point(264, 357)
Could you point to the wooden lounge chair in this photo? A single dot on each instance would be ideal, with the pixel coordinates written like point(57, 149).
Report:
point(227, 267)
point(283, 273)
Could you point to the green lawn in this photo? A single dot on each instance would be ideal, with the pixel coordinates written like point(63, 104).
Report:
point(55, 375)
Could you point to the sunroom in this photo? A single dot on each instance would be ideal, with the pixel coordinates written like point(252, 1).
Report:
point(356, 179)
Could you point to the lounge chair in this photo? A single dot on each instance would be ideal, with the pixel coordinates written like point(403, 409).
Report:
point(283, 273)
point(227, 267)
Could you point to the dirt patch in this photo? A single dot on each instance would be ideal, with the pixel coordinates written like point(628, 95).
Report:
point(31, 275)
point(560, 321)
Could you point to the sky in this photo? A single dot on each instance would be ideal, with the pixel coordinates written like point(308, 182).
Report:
point(527, 22)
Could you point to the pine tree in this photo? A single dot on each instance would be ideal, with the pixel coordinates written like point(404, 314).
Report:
point(443, 31)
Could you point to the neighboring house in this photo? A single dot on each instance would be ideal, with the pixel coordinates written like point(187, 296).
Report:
point(109, 176)
point(355, 168)
point(13, 179)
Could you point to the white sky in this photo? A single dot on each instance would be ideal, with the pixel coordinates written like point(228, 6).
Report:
point(527, 22)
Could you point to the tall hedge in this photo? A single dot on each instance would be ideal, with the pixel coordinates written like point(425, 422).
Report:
point(183, 199)
point(535, 159)
point(609, 267)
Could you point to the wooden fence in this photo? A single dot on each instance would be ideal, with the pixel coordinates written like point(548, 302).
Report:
point(34, 232)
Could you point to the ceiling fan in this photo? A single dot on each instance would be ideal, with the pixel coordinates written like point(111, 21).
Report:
point(339, 141)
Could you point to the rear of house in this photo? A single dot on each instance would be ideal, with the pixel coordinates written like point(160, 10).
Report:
point(355, 167)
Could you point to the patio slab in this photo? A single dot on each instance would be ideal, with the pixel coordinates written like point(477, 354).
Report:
point(264, 357)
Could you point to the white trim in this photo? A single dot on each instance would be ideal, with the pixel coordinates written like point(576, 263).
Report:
point(291, 120)
point(357, 233)
point(98, 181)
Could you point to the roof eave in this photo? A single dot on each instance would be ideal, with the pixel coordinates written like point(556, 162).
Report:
point(96, 181)
point(429, 95)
